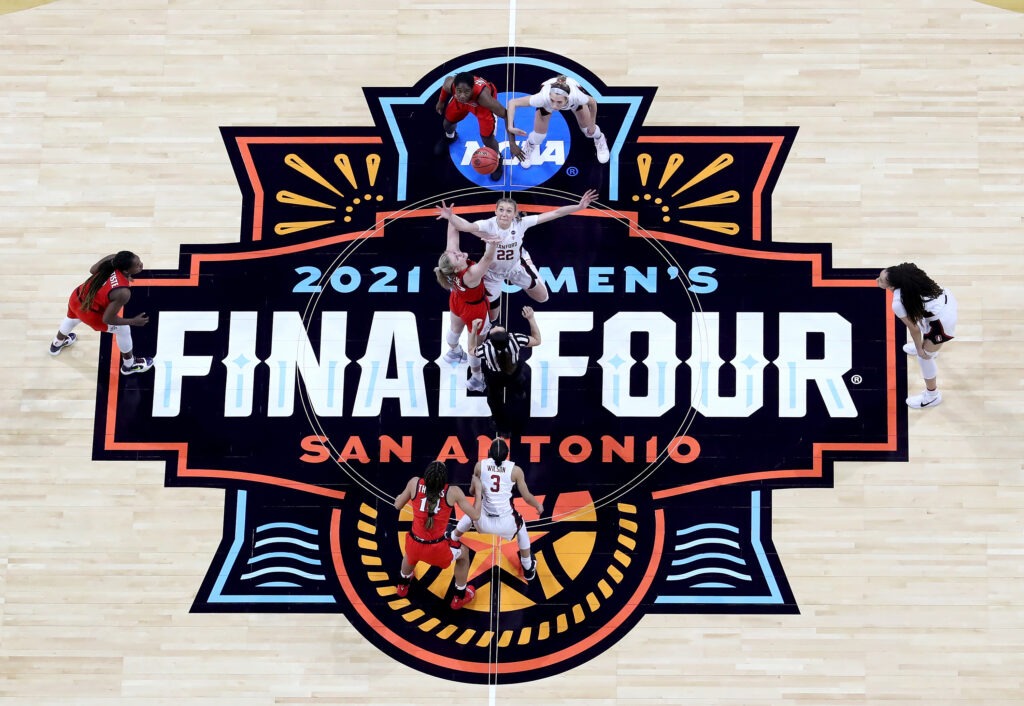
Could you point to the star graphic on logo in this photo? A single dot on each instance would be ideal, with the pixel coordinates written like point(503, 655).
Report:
point(490, 549)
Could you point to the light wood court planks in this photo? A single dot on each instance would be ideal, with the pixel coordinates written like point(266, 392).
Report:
point(911, 147)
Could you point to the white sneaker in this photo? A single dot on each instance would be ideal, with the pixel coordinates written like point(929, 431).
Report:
point(924, 400)
point(601, 144)
point(532, 156)
point(476, 384)
point(455, 356)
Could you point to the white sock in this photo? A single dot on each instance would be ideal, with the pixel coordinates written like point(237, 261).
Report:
point(127, 362)
point(450, 135)
point(527, 561)
point(931, 394)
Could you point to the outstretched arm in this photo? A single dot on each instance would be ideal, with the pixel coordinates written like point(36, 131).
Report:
point(458, 498)
point(447, 212)
point(510, 117)
point(588, 198)
point(406, 495)
point(520, 479)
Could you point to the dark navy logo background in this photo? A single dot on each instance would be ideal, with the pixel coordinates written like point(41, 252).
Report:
point(690, 368)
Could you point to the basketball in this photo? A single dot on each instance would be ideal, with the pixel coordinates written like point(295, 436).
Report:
point(485, 160)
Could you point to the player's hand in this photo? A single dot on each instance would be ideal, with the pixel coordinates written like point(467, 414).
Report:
point(140, 320)
point(588, 198)
point(540, 508)
point(476, 326)
point(513, 147)
point(527, 312)
point(924, 354)
point(439, 107)
point(445, 211)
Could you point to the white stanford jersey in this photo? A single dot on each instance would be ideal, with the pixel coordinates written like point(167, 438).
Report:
point(497, 485)
point(577, 96)
point(942, 308)
point(510, 242)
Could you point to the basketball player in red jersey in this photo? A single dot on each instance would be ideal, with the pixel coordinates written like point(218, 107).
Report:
point(97, 302)
point(467, 301)
point(463, 94)
point(432, 503)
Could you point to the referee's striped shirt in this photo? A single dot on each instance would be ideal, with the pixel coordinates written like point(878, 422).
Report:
point(487, 353)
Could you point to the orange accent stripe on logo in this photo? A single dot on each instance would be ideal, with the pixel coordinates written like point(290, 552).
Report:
point(250, 168)
point(432, 657)
point(181, 448)
point(773, 153)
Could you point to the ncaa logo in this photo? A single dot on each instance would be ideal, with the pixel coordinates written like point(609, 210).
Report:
point(553, 151)
point(690, 367)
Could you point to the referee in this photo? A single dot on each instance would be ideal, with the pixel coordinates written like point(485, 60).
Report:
point(508, 378)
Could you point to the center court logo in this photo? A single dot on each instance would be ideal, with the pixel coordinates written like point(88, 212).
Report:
point(690, 368)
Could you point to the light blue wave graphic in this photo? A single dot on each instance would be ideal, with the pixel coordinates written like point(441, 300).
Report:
point(715, 563)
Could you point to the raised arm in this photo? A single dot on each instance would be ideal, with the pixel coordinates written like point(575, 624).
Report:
point(476, 271)
point(588, 198)
point(452, 244)
point(406, 495)
point(520, 479)
point(447, 212)
point(534, 328)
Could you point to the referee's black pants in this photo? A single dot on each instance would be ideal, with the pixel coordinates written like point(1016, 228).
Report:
point(508, 396)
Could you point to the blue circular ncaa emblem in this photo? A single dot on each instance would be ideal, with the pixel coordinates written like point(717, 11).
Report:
point(553, 152)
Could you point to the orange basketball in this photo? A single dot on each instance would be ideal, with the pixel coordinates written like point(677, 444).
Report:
point(485, 160)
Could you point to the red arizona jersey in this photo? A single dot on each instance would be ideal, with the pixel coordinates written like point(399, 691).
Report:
point(93, 316)
point(442, 512)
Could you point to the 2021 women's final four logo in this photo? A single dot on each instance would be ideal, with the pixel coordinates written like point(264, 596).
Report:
point(689, 367)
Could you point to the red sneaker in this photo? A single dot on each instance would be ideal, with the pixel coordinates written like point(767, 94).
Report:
point(402, 590)
point(459, 602)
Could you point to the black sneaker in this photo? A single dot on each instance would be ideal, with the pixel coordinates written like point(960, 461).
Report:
point(442, 145)
point(140, 365)
point(531, 573)
point(499, 172)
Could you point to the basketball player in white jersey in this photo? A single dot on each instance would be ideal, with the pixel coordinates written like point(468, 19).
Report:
point(559, 93)
point(930, 315)
point(512, 263)
point(493, 480)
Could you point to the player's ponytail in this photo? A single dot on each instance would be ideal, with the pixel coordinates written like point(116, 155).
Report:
point(434, 478)
point(444, 271)
point(121, 262)
point(915, 286)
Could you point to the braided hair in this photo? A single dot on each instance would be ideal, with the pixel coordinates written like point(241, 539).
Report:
point(915, 286)
point(434, 478)
point(121, 262)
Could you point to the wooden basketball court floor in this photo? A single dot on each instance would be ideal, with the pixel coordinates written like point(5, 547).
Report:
point(909, 576)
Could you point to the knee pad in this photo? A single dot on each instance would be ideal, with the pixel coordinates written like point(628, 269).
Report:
point(523, 538)
point(123, 334)
point(537, 138)
point(928, 367)
point(451, 338)
point(593, 132)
